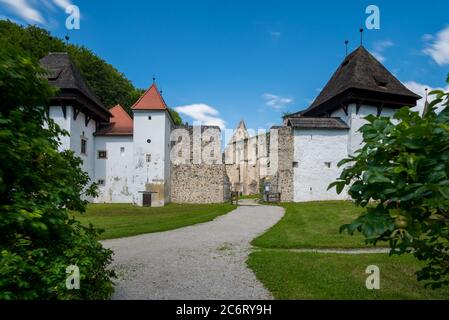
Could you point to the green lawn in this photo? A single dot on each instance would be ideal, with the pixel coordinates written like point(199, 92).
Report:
point(123, 220)
point(290, 275)
point(313, 225)
point(293, 275)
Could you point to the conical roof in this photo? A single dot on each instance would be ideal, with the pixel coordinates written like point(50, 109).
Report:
point(64, 75)
point(150, 100)
point(361, 76)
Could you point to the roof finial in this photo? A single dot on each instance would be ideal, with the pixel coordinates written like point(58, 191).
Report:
point(154, 79)
point(67, 39)
point(426, 92)
point(346, 45)
point(361, 36)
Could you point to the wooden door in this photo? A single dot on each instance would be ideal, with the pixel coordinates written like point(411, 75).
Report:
point(146, 200)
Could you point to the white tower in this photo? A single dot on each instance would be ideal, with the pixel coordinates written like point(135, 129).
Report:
point(152, 127)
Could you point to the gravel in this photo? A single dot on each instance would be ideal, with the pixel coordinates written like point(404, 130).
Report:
point(203, 261)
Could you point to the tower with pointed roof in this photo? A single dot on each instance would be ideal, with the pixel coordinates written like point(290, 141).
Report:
point(129, 157)
point(328, 130)
point(75, 108)
point(151, 132)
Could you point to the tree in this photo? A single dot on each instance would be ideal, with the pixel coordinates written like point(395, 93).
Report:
point(39, 188)
point(401, 177)
point(176, 117)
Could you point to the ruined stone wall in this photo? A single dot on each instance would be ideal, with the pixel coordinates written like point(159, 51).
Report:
point(246, 163)
point(282, 152)
point(201, 176)
point(193, 183)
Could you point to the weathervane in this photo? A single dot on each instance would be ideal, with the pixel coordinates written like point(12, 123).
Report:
point(67, 39)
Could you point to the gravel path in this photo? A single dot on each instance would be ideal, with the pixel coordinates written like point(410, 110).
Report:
point(203, 261)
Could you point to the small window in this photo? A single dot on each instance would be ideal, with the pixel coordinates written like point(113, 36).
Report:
point(328, 164)
point(122, 151)
point(148, 140)
point(295, 164)
point(148, 157)
point(102, 154)
point(149, 117)
point(100, 182)
point(83, 146)
point(180, 153)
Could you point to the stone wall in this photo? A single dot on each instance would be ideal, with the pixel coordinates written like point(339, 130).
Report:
point(193, 183)
point(200, 177)
point(246, 160)
point(281, 152)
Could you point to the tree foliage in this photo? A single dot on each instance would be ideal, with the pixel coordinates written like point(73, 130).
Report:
point(401, 177)
point(110, 85)
point(39, 186)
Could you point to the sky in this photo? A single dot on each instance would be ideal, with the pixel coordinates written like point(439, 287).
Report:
point(222, 61)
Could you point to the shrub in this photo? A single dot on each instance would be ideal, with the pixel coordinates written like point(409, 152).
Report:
point(39, 186)
point(402, 171)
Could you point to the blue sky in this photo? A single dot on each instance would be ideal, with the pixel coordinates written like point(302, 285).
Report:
point(227, 60)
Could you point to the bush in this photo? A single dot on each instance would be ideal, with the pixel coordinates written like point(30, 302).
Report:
point(39, 186)
point(401, 177)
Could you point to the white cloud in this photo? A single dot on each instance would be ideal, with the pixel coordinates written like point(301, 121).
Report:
point(427, 37)
point(379, 48)
point(203, 113)
point(24, 10)
point(378, 56)
point(438, 46)
point(381, 45)
point(420, 88)
point(275, 35)
point(27, 11)
point(275, 101)
point(63, 4)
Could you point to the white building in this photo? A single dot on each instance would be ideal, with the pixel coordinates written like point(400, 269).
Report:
point(126, 157)
point(130, 157)
point(327, 131)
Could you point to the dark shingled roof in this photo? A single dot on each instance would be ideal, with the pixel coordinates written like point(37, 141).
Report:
point(317, 123)
point(361, 76)
point(65, 76)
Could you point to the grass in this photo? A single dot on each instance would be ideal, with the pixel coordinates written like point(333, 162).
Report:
point(313, 225)
point(291, 275)
point(124, 220)
point(250, 196)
